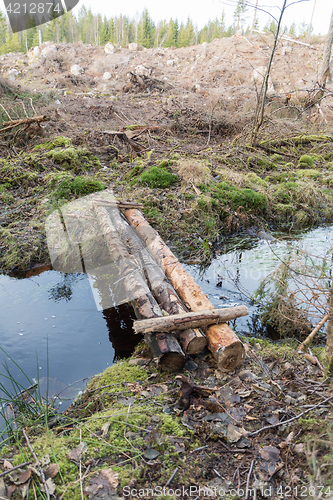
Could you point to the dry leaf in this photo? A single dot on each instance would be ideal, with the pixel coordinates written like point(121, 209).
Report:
point(24, 490)
point(24, 477)
point(10, 490)
point(51, 486)
point(77, 453)
point(51, 471)
point(105, 430)
point(105, 483)
point(7, 464)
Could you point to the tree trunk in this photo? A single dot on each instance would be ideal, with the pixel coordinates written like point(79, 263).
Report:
point(189, 320)
point(193, 341)
point(325, 66)
point(222, 341)
point(165, 346)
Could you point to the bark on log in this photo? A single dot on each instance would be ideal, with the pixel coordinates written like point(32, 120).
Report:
point(24, 121)
point(165, 347)
point(192, 340)
point(222, 341)
point(190, 319)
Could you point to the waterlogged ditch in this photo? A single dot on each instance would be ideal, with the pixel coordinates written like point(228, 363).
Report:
point(49, 321)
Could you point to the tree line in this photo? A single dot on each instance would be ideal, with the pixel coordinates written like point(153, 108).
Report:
point(96, 29)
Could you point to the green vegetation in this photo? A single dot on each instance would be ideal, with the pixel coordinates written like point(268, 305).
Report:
point(157, 177)
point(80, 186)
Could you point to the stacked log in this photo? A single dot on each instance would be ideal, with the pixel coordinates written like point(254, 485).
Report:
point(192, 340)
point(163, 346)
point(222, 341)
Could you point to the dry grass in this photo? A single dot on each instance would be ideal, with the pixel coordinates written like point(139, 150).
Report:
point(194, 172)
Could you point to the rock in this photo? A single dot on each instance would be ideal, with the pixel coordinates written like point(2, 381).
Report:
point(106, 76)
point(170, 62)
point(133, 46)
point(110, 48)
point(204, 44)
point(48, 50)
point(33, 55)
point(76, 70)
point(12, 74)
point(247, 375)
point(142, 70)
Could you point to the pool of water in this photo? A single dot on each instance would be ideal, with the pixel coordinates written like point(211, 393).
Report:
point(50, 322)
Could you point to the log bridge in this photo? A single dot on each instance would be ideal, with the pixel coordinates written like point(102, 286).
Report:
point(173, 314)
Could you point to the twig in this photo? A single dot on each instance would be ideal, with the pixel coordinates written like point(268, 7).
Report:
point(80, 468)
point(248, 481)
point(5, 111)
point(33, 109)
point(290, 419)
point(236, 450)
point(313, 333)
point(38, 464)
point(172, 476)
point(13, 468)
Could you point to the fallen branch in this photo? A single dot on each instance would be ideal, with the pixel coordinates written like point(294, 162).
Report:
point(24, 121)
point(14, 468)
point(41, 472)
point(313, 333)
point(290, 419)
point(186, 320)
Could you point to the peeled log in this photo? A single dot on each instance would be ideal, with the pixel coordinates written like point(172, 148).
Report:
point(191, 319)
point(222, 341)
point(165, 347)
point(192, 340)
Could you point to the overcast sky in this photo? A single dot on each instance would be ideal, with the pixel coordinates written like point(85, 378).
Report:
point(200, 12)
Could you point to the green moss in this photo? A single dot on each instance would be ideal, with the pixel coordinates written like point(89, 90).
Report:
point(236, 197)
point(306, 160)
point(310, 173)
point(157, 177)
point(79, 186)
point(120, 372)
point(65, 157)
point(58, 142)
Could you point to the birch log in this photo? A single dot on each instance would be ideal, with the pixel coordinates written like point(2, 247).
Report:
point(192, 340)
point(222, 341)
point(163, 346)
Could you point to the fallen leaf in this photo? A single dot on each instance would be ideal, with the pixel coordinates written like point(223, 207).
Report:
point(180, 447)
point(7, 464)
point(24, 477)
point(151, 454)
point(24, 490)
point(270, 453)
point(51, 485)
point(104, 484)
point(77, 453)
point(51, 471)
point(105, 429)
point(10, 490)
point(45, 460)
point(2, 488)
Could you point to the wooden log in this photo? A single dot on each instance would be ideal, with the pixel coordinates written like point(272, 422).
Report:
point(222, 341)
point(191, 319)
point(165, 347)
point(192, 340)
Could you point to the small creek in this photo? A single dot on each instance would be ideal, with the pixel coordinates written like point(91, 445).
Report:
point(53, 317)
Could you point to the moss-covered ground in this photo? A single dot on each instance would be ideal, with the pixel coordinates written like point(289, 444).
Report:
point(192, 200)
point(128, 423)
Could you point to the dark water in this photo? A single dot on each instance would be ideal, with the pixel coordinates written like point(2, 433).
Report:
point(53, 316)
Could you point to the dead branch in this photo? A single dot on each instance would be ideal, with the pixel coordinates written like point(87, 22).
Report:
point(24, 121)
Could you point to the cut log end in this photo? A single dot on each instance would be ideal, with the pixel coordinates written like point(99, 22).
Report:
point(231, 357)
point(165, 348)
point(172, 362)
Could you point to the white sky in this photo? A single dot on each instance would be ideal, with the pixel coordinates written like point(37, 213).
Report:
point(200, 12)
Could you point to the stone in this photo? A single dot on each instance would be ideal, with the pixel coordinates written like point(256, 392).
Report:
point(106, 76)
point(142, 70)
point(12, 74)
point(170, 62)
point(48, 50)
point(76, 70)
point(133, 46)
point(33, 55)
point(110, 48)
